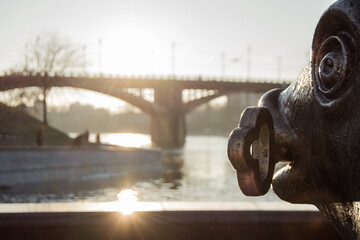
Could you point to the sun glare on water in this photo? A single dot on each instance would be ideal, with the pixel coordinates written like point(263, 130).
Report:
point(126, 139)
point(127, 201)
point(127, 204)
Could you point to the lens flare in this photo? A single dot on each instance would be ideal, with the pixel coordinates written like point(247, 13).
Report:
point(127, 201)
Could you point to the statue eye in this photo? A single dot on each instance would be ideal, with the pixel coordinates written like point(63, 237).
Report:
point(333, 67)
point(330, 70)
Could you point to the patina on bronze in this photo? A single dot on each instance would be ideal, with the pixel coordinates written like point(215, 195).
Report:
point(314, 124)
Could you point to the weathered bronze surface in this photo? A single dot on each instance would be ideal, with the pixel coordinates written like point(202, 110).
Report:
point(314, 124)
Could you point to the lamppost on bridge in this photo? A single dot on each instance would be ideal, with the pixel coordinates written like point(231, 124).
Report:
point(223, 65)
point(173, 59)
point(279, 62)
point(26, 58)
point(248, 74)
point(152, 63)
point(100, 43)
point(84, 59)
point(225, 61)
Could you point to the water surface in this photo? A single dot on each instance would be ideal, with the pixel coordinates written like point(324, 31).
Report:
point(200, 171)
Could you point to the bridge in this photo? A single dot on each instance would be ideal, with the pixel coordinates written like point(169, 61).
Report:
point(167, 101)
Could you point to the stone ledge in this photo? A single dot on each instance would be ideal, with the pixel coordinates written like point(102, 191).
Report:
point(152, 206)
point(163, 220)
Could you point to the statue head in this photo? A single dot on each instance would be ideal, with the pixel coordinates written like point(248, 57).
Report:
point(314, 124)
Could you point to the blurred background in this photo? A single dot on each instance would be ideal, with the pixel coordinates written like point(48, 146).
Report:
point(80, 81)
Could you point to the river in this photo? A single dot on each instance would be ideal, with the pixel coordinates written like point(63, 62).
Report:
point(200, 171)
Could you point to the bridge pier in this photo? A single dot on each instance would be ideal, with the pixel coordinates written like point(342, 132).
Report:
point(168, 128)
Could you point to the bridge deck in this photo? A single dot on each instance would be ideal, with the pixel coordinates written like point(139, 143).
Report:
point(13, 81)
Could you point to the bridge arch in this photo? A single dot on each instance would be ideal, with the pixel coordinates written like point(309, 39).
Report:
point(149, 108)
point(168, 127)
point(189, 106)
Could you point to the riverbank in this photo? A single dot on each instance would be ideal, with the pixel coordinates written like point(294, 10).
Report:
point(19, 128)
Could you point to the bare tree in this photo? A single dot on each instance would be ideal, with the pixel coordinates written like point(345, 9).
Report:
point(50, 54)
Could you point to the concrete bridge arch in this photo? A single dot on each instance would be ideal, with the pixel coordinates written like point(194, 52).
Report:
point(168, 108)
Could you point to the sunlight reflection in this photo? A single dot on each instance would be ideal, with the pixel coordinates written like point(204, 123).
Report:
point(127, 201)
point(126, 139)
point(126, 204)
point(117, 206)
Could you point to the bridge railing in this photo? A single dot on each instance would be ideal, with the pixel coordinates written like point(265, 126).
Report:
point(159, 77)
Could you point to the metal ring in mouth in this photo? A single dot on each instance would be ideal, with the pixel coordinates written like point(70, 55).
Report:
point(251, 150)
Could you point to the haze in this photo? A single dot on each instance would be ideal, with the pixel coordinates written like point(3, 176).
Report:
point(142, 37)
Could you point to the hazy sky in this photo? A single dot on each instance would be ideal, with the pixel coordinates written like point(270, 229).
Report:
point(137, 34)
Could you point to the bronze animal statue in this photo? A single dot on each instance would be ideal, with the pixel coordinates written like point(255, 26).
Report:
point(314, 124)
